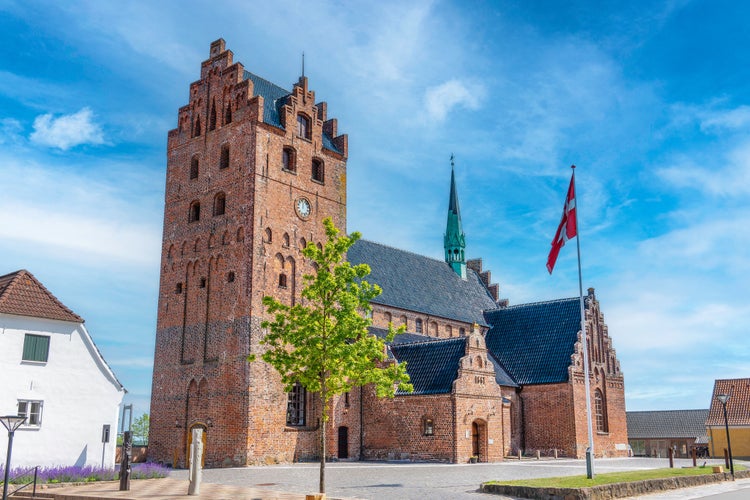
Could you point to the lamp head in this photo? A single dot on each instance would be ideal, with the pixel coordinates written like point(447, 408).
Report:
point(723, 398)
point(12, 422)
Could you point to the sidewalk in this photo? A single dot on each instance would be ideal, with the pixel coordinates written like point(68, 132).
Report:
point(162, 489)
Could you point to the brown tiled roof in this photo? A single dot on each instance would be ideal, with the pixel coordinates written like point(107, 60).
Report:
point(23, 295)
point(738, 406)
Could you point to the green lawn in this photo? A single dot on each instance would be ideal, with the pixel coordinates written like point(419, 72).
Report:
point(609, 478)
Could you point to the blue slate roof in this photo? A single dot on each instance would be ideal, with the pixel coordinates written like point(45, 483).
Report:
point(274, 97)
point(421, 284)
point(534, 342)
point(432, 365)
point(666, 424)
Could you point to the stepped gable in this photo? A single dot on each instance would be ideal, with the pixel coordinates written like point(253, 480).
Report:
point(274, 98)
point(666, 424)
point(421, 284)
point(534, 342)
point(420, 354)
point(23, 295)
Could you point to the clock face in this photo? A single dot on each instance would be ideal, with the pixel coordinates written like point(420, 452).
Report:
point(303, 208)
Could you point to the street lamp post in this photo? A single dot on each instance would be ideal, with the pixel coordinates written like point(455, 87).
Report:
point(11, 422)
point(723, 398)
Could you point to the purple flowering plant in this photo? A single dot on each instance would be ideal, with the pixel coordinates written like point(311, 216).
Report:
point(77, 474)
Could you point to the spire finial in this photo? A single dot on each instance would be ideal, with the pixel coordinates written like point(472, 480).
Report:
point(452, 158)
point(303, 63)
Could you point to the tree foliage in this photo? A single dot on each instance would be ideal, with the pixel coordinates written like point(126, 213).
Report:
point(140, 428)
point(322, 341)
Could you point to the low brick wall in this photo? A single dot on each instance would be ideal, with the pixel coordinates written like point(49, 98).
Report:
point(616, 490)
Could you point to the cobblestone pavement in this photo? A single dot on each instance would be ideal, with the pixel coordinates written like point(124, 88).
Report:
point(418, 481)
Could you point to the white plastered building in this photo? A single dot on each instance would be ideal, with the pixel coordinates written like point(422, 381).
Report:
point(52, 373)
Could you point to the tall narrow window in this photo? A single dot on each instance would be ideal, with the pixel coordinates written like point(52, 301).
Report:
point(303, 126)
point(194, 167)
point(35, 348)
point(418, 326)
point(599, 411)
point(289, 160)
point(318, 173)
point(282, 280)
point(295, 409)
point(224, 162)
point(212, 117)
point(197, 127)
point(428, 427)
point(195, 212)
point(228, 114)
point(220, 203)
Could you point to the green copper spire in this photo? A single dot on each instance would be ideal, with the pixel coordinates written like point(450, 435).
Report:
point(454, 239)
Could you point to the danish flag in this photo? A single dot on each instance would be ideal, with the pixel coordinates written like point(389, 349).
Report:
point(567, 228)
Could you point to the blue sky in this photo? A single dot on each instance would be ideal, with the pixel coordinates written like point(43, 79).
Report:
point(651, 100)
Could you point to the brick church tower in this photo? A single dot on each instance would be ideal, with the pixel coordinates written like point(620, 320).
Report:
point(252, 169)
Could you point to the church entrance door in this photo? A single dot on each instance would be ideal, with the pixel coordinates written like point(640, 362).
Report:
point(478, 439)
point(343, 442)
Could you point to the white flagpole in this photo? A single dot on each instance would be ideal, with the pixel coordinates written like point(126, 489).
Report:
point(587, 385)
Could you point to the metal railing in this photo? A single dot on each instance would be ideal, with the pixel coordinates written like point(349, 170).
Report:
point(32, 482)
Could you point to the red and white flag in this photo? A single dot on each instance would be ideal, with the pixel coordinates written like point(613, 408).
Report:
point(567, 228)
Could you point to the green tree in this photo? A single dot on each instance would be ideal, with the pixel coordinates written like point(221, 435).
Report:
point(323, 342)
point(140, 428)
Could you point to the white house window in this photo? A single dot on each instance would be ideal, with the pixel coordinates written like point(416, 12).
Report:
point(32, 410)
point(35, 348)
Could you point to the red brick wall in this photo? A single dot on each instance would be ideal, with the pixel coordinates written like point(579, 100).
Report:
point(224, 265)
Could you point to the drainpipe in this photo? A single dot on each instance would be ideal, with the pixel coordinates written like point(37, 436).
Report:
point(361, 423)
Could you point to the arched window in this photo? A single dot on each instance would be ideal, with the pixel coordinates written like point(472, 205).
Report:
point(387, 317)
point(224, 161)
point(228, 114)
point(418, 326)
point(461, 332)
point(428, 427)
point(212, 117)
point(295, 407)
point(220, 204)
point(282, 280)
point(289, 159)
point(195, 212)
point(303, 126)
point(197, 126)
point(302, 243)
point(600, 412)
point(404, 321)
point(318, 170)
point(268, 238)
point(285, 240)
point(448, 331)
point(194, 167)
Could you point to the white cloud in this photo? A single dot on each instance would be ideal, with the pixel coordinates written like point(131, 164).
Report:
point(732, 119)
point(67, 131)
point(10, 131)
point(727, 176)
point(440, 100)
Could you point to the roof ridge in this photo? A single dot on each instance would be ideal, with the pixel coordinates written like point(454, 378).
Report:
point(429, 340)
point(267, 81)
point(666, 411)
point(515, 306)
point(7, 292)
point(439, 261)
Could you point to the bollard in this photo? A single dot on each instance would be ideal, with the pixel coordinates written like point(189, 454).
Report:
point(127, 453)
point(695, 456)
point(519, 454)
point(726, 458)
point(555, 453)
point(538, 454)
point(670, 454)
point(196, 457)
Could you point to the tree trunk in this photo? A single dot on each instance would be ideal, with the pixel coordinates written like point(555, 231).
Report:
point(324, 424)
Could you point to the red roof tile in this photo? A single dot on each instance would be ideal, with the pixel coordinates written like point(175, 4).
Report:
point(738, 405)
point(23, 295)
